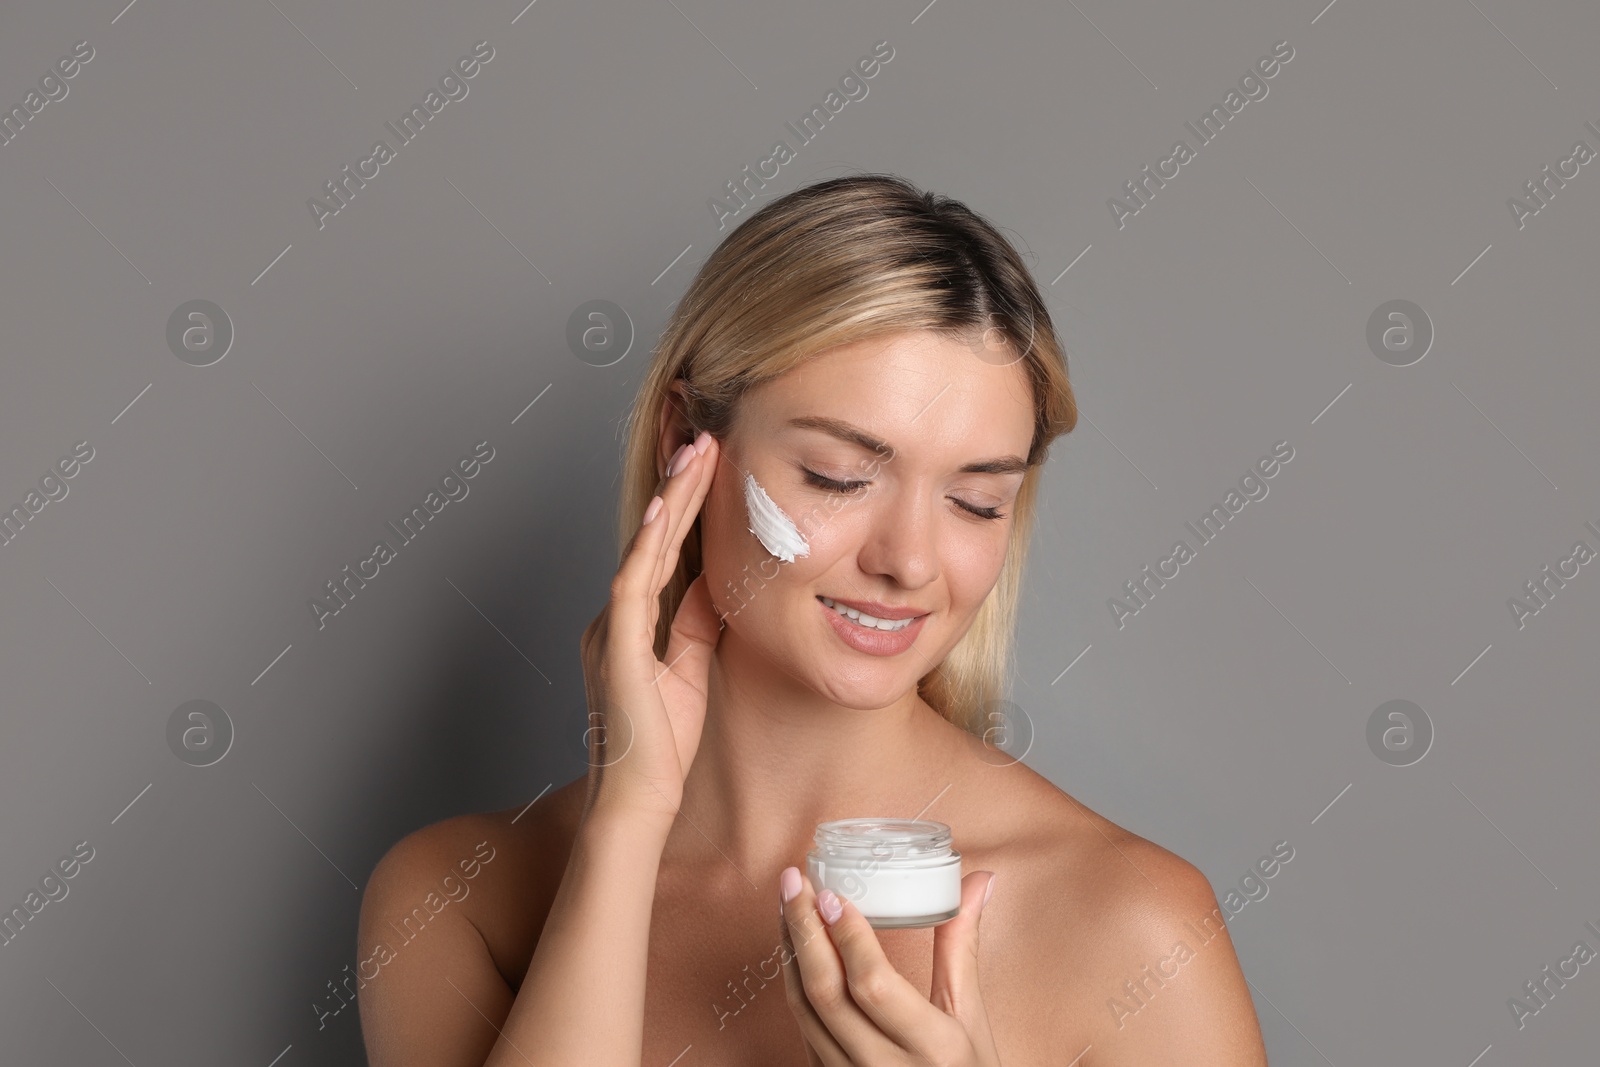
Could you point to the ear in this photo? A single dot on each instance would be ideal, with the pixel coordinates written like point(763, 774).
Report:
point(673, 426)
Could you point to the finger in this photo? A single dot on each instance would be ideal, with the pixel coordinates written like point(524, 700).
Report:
point(648, 550)
point(627, 612)
point(822, 1050)
point(664, 485)
point(898, 1008)
point(667, 490)
point(684, 493)
point(697, 619)
point(678, 473)
point(825, 984)
point(695, 632)
point(691, 642)
point(684, 458)
point(954, 989)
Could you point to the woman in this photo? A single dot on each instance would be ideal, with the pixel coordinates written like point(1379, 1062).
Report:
point(867, 375)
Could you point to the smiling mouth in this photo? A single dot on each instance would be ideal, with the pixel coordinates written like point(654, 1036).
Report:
point(863, 619)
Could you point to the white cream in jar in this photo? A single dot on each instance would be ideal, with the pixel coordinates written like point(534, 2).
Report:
point(898, 872)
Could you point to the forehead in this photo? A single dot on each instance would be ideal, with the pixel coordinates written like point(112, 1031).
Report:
point(908, 388)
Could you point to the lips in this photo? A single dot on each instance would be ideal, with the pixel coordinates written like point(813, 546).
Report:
point(877, 612)
point(871, 639)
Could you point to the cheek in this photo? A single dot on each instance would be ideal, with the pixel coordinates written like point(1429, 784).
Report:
point(833, 527)
point(739, 572)
point(971, 560)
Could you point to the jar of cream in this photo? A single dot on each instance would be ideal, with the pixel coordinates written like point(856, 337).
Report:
point(898, 872)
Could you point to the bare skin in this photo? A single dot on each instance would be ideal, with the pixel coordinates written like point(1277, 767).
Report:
point(636, 910)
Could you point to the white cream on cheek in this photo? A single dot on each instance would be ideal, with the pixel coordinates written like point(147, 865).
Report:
point(775, 530)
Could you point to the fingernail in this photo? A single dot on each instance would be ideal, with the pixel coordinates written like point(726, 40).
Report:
point(989, 892)
point(789, 883)
point(650, 511)
point(680, 459)
point(831, 908)
point(702, 442)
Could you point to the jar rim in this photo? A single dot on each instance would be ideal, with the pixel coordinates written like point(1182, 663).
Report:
point(883, 836)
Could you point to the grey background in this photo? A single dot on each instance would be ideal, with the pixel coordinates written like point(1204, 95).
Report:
point(1228, 315)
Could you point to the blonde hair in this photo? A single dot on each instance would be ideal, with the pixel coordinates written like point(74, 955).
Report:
point(828, 264)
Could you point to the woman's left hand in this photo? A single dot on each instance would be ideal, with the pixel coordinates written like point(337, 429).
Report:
point(856, 1010)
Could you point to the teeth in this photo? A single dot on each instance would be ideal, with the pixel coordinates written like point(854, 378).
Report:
point(867, 620)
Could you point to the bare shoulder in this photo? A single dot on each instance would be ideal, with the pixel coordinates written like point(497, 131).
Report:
point(1117, 875)
point(457, 903)
point(1099, 863)
point(1125, 935)
point(431, 852)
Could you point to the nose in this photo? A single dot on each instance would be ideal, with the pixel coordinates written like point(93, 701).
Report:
point(900, 543)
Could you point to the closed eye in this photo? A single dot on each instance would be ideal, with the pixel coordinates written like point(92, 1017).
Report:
point(830, 484)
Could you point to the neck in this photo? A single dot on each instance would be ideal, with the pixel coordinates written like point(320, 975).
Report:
point(776, 757)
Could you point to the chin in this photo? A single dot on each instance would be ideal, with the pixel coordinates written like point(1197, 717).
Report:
point(866, 693)
point(853, 680)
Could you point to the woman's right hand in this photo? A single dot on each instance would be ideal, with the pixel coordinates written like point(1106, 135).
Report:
point(645, 716)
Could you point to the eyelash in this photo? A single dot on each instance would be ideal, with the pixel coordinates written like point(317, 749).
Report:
point(848, 487)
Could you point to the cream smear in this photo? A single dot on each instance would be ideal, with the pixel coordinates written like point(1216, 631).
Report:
point(775, 530)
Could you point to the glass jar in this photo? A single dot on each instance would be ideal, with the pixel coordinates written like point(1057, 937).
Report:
point(898, 872)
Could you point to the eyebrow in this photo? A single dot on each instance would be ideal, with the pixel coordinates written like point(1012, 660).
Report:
point(844, 431)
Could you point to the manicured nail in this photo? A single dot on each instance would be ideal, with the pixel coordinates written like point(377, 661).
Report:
point(789, 883)
point(680, 459)
point(831, 908)
point(702, 442)
point(989, 892)
point(650, 511)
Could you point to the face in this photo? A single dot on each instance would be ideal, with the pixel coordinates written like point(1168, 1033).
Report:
point(898, 459)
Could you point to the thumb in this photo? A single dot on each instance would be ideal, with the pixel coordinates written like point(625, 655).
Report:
point(696, 627)
point(954, 989)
